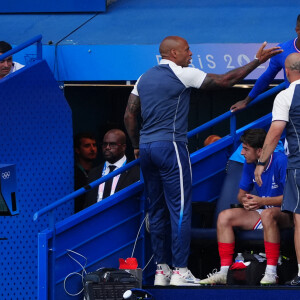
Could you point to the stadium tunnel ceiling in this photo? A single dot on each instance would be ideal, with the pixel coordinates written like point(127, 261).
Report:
point(149, 21)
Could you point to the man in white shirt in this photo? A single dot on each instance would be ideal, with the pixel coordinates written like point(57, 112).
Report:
point(286, 116)
point(113, 150)
point(7, 66)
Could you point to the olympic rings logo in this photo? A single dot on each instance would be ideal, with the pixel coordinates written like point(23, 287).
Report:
point(6, 175)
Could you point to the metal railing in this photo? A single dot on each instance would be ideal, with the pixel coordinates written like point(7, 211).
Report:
point(37, 39)
point(231, 115)
point(84, 190)
point(191, 133)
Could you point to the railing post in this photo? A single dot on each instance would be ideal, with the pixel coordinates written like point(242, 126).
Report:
point(233, 130)
point(143, 209)
point(52, 256)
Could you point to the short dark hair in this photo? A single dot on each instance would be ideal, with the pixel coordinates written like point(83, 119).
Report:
point(83, 135)
point(298, 19)
point(4, 47)
point(255, 138)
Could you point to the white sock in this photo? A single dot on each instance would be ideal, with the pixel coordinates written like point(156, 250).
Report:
point(224, 269)
point(298, 269)
point(163, 267)
point(182, 270)
point(271, 269)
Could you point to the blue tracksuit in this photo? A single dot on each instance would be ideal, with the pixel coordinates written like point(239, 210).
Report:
point(164, 93)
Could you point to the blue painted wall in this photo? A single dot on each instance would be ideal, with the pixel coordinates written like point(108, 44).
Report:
point(36, 136)
point(44, 6)
point(146, 22)
point(122, 43)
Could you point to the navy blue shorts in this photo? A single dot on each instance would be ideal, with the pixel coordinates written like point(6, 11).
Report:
point(291, 194)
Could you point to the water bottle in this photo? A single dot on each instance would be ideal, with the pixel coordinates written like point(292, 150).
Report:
point(239, 258)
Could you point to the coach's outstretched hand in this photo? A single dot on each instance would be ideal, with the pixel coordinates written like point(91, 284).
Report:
point(264, 54)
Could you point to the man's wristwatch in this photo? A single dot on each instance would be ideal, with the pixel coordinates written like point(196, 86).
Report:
point(261, 163)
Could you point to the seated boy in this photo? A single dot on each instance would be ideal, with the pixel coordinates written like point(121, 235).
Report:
point(258, 212)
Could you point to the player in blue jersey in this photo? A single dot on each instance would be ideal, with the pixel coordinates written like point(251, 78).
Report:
point(286, 116)
point(276, 64)
point(258, 212)
point(162, 97)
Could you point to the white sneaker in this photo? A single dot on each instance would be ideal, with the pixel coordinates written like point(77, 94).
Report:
point(269, 279)
point(162, 278)
point(215, 278)
point(184, 279)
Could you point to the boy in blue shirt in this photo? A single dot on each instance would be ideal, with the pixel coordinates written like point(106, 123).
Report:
point(258, 212)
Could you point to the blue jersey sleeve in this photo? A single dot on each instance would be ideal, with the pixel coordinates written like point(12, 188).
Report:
point(266, 78)
point(246, 182)
point(275, 65)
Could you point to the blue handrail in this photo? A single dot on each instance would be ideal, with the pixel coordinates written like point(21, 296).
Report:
point(37, 39)
point(229, 114)
point(193, 132)
point(85, 189)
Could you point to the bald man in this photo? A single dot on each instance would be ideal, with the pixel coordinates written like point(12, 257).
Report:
point(286, 115)
point(162, 95)
point(113, 150)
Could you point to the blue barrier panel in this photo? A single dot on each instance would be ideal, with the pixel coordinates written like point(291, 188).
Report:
point(53, 6)
point(36, 136)
point(123, 57)
point(100, 234)
point(64, 63)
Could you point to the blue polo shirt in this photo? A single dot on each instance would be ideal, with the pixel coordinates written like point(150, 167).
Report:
point(164, 92)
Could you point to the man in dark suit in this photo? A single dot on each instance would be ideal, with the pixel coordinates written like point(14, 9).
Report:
point(113, 150)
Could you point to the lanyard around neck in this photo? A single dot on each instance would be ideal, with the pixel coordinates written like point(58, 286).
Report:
point(114, 183)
